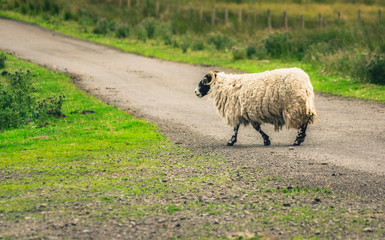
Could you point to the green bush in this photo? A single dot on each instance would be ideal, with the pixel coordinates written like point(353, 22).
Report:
point(198, 45)
point(141, 33)
point(123, 31)
point(164, 32)
point(149, 24)
point(18, 106)
point(3, 58)
point(51, 106)
point(185, 43)
point(375, 69)
point(220, 41)
point(277, 44)
point(16, 100)
point(251, 50)
point(238, 53)
point(103, 26)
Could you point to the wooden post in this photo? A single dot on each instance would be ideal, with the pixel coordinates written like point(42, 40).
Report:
point(226, 16)
point(339, 16)
point(359, 15)
point(302, 20)
point(285, 20)
point(213, 16)
point(157, 8)
point(268, 20)
point(379, 16)
point(201, 15)
point(320, 22)
point(240, 17)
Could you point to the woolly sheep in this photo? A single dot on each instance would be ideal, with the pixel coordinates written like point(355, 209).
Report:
point(279, 97)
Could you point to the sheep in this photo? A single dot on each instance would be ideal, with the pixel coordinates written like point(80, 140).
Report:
point(279, 97)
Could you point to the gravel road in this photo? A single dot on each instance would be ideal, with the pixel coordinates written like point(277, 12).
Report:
point(344, 150)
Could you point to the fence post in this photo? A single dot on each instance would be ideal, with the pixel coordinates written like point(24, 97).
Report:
point(359, 15)
point(201, 15)
point(302, 20)
point(157, 8)
point(213, 16)
point(320, 22)
point(379, 16)
point(268, 20)
point(339, 16)
point(285, 19)
point(240, 17)
point(226, 16)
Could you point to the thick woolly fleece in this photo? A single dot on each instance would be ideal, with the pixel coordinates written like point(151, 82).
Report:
point(279, 97)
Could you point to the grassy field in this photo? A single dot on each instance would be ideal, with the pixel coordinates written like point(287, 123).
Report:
point(100, 165)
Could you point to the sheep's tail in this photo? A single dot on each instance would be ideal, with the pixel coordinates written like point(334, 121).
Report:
point(310, 108)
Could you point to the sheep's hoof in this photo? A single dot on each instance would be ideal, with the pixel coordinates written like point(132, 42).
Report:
point(231, 142)
point(266, 142)
point(298, 142)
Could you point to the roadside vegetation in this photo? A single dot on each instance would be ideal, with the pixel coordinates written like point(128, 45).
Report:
point(98, 166)
point(345, 56)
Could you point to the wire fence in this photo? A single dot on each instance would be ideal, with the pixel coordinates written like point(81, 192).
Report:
point(240, 19)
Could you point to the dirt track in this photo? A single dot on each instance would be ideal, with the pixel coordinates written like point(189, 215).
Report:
point(344, 151)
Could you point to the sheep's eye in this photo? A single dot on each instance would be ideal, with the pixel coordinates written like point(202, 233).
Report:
point(207, 79)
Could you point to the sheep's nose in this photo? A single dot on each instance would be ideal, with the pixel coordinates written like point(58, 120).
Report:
point(198, 93)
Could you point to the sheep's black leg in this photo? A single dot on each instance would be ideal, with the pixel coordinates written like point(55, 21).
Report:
point(234, 137)
point(266, 139)
point(301, 135)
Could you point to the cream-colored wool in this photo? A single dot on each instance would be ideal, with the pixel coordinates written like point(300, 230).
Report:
point(279, 97)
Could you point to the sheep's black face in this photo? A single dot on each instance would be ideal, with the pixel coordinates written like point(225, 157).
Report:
point(204, 86)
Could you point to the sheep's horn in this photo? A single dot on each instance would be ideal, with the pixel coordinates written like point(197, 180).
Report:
point(212, 78)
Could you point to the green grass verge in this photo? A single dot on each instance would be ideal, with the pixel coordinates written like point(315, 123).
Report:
point(333, 84)
point(85, 157)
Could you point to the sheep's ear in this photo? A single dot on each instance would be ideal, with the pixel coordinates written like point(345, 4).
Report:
point(215, 73)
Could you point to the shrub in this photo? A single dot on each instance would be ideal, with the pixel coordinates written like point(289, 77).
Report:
point(123, 31)
point(3, 58)
point(149, 25)
point(238, 53)
point(18, 105)
point(16, 100)
point(141, 33)
point(375, 69)
point(251, 50)
point(198, 45)
point(185, 43)
point(277, 44)
point(164, 32)
point(220, 41)
point(103, 26)
point(51, 106)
